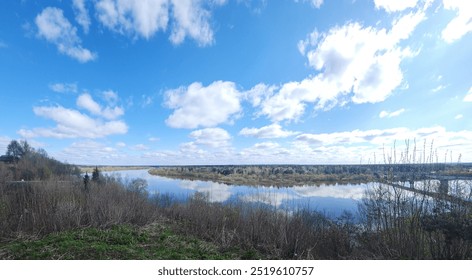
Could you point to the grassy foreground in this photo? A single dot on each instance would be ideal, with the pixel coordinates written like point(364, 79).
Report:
point(121, 242)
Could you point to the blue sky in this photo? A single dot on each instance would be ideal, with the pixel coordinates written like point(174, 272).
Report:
point(238, 82)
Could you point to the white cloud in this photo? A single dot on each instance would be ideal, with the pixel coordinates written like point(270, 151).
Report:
point(271, 131)
point(72, 124)
point(191, 19)
point(209, 146)
point(55, 28)
point(395, 5)
point(211, 137)
point(386, 114)
point(153, 139)
point(258, 93)
point(289, 101)
point(64, 87)
point(91, 152)
point(355, 63)
point(197, 106)
point(365, 61)
point(461, 24)
point(352, 146)
point(143, 18)
point(112, 113)
point(458, 117)
point(316, 3)
point(266, 152)
point(311, 40)
point(188, 18)
point(81, 14)
point(468, 96)
point(353, 137)
point(86, 101)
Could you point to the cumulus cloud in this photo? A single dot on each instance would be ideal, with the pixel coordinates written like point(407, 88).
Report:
point(259, 93)
point(288, 102)
point(192, 20)
point(209, 146)
point(85, 101)
point(143, 18)
point(72, 124)
point(461, 24)
point(81, 14)
point(395, 6)
point(55, 28)
point(354, 63)
point(211, 137)
point(364, 60)
point(386, 114)
point(271, 131)
point(198, 106)
point(187, 18)
point(311, 40)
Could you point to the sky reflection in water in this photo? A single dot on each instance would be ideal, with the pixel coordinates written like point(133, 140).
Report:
point(332, 200)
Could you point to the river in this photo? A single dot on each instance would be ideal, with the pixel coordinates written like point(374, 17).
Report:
point(332, 200)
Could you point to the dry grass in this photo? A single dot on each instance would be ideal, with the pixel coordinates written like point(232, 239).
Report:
point(56, 205)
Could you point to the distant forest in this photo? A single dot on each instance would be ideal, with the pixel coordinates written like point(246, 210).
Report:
point(23, 162)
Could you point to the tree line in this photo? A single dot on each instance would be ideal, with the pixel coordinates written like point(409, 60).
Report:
point(23, 162)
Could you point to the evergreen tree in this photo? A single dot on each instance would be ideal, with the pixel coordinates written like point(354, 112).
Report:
point(96, 174)
point(86, 181)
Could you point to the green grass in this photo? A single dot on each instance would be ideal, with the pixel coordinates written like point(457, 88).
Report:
point(156, 241)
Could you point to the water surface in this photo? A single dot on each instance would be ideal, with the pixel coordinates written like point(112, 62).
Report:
point(330, 199)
